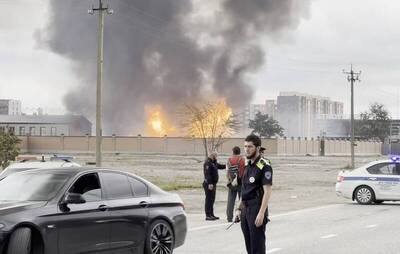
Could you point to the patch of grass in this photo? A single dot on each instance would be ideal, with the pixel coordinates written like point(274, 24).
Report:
point(179, 186)
point(174, 186)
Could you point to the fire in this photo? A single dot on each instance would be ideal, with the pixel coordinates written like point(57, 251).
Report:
point(157, 123)
point(215, 121)
point(208, 120)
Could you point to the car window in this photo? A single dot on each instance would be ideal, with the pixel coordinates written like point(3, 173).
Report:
point(396, 168)
point(385, 169)
point(88, 186)
point(138, 187)
point(116, 186)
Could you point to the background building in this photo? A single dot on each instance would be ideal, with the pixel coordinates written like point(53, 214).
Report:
point(46, 125)
point(271, 109)
point(10, 107)
point(246, 115)
point(395, 128)
point(300, 114)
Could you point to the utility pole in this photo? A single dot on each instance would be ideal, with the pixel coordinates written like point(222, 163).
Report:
point(390, 136)
point(352, 77)
point(99, 132)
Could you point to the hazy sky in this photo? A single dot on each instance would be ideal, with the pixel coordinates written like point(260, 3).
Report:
point(310, 59)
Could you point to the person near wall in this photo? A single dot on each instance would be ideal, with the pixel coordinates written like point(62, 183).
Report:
point(210, 169)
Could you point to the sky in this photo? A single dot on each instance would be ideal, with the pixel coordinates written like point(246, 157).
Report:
point(308, 59)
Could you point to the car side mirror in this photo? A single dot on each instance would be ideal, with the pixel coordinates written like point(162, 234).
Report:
point(74, 198)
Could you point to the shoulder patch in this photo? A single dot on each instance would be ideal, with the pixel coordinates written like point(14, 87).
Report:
point(268, 175)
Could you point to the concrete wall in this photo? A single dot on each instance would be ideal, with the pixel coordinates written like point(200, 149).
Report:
point(176, 145)
point(332, 147)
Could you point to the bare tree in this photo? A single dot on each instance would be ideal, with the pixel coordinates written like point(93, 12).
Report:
point(212, 122)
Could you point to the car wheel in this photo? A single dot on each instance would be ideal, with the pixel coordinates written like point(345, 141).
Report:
point(20, 241)
point(160, 238)
point(378, 202)
point(364, 195)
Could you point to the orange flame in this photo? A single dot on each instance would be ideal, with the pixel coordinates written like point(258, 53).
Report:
point(157, 123)
point(214, 124)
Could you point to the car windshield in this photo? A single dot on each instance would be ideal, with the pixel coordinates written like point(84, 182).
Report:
point(32, 186)
point(10, 171)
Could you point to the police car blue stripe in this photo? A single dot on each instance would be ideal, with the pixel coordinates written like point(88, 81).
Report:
point(371, 178)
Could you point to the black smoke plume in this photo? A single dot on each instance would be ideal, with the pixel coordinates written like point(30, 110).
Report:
point(166, 52)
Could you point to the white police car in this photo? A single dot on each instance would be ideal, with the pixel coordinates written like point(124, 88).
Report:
point(375, 182)
point(29, 162)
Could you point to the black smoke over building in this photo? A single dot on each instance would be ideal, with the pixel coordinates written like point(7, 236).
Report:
point(166, 52)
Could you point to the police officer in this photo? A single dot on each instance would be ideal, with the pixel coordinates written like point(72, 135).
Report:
point(256, 191)
point(262, 154)
point(210, 168)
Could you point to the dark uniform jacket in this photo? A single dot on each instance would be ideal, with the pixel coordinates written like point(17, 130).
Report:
point(255, 176)
point(210, 168)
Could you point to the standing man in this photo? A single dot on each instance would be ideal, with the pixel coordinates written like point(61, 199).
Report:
point(262, 153)
point(234, 172)
point(210, 168)
point(256, 191)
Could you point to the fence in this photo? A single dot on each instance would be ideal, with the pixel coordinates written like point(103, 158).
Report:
point(181, 145)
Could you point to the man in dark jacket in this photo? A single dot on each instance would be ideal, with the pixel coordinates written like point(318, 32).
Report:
point(210, 168)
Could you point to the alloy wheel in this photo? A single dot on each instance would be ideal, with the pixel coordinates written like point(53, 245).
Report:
point(161, 240)
point(364, 195)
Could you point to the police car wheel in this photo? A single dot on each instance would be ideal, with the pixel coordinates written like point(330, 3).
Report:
point(160, 239)
point(364, 195)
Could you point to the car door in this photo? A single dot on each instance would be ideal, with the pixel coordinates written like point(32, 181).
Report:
point(396, 176)
point(129, 213)
point(85, 227)
point(383, 180)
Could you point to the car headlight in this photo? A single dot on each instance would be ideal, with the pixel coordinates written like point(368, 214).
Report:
point(2, 226)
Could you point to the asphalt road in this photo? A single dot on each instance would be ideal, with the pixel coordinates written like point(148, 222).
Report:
point(342, 228)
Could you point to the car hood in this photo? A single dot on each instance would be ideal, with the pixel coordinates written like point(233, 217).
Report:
point(7, 207)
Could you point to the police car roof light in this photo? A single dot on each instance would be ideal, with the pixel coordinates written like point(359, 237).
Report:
point(395, 158)
point(65, 158)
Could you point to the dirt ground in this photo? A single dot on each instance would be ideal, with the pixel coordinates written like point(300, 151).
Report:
point(299, 182)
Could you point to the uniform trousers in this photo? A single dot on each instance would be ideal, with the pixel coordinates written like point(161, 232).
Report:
point(210, 199)
point(254, 236)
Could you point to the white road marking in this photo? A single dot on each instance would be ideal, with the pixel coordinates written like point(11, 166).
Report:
point(209, 226)
point(328, 236)
point(272, 217)
point(371, 226)
point(304, 210)
point(273, 250)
